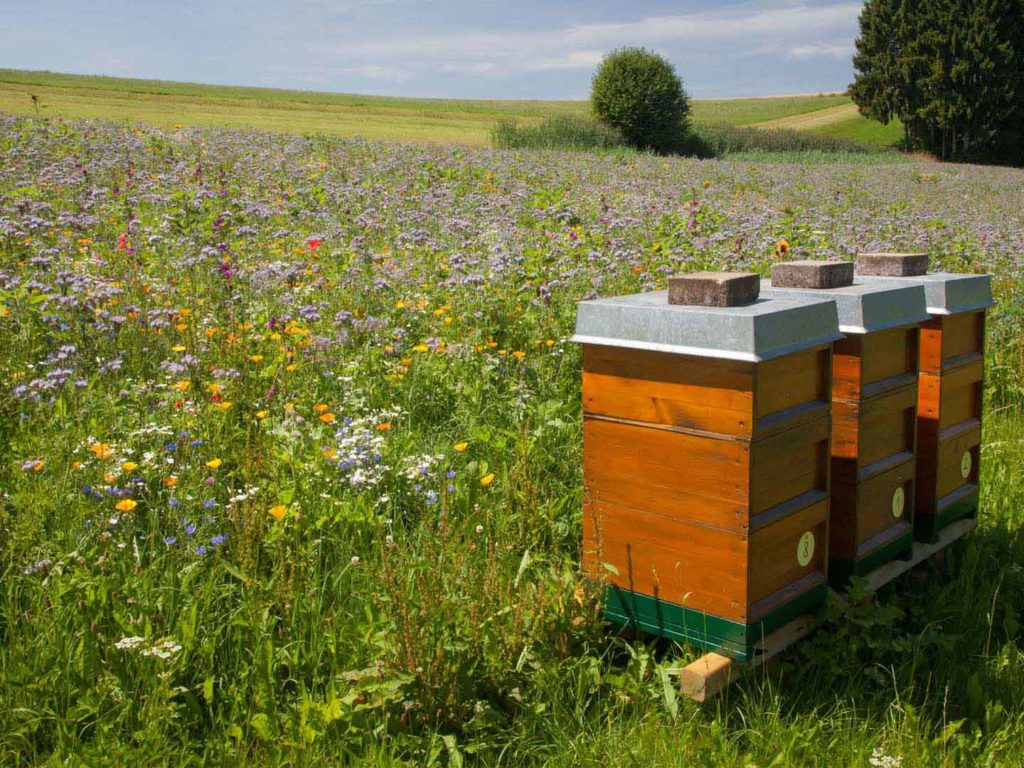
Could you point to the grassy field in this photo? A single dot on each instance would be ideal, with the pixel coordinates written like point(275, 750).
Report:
point(291, 444)
point(444, 121)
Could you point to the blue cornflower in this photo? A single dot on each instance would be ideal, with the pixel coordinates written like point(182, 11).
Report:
point(170, 541)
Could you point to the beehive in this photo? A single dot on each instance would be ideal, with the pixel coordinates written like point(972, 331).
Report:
point(706, 460)
point(951, 380)
point(874, 399)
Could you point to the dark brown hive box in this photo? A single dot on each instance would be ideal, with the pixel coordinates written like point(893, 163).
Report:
point(874, 399)
point(949, 398)
point(705, 437)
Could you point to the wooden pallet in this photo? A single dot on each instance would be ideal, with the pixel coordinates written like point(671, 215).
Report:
point(713, 672)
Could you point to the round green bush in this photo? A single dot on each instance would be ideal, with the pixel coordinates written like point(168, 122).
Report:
point(638, 92)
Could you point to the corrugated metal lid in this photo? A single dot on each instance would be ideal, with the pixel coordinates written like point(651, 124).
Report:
point(866, 307)
point(947, 292)
point(762, 330)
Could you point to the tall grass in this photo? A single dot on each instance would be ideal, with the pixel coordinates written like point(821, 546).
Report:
point(576, 133)
point(563, 132)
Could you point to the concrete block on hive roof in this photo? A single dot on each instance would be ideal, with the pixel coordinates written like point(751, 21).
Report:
point(713, 289)
point(892, 264)
point(812, 274)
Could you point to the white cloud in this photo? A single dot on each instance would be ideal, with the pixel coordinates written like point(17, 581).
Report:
point(838, 50)
point(747, 23)
point(572, 60)
point(378, 72)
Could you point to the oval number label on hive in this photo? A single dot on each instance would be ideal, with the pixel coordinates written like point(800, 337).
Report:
point(899, 500)
point(965, 465)
point(805, 549)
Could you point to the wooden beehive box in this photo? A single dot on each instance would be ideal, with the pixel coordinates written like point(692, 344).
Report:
point(951, 380)
point(874, 403)
point(706, 462)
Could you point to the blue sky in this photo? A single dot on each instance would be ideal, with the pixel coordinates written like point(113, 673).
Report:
point(444, 48)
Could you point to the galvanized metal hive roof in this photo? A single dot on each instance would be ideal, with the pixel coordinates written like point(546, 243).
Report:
point(946, 292)
point(762, 330)
point(865, 307)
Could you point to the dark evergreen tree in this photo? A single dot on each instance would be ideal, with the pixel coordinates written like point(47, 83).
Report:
point(952, 71)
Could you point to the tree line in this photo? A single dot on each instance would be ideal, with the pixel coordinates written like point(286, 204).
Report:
point(952, 71)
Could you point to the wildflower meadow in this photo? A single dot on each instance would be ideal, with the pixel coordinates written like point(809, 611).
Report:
point(291, 457)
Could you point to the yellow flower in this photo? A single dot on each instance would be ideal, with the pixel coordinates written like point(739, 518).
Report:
point(182, 386)
point(329, 453)
point(214, 463)
point(782, 249)
point(126, 505)
point(129, 466)
point(178, 348)
point(214, 388)
point(421, 348)
point(383, 426)
point(170, 481)
point(278, 511)
point(327, 418)
point(460, 447)
point(100, 450)
point(518, 354)
point(487, 479)
point(262, 414)
point(321, 407)
point(223, 406)
point(256, 358)
point(291, 367)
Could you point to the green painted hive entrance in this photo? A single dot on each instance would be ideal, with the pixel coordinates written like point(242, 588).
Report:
point(706, 460)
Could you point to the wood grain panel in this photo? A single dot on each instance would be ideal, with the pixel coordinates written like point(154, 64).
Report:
point(700, 394)
point(887, 425)
point(718, 469)
point(889, 355)
point(789, 464)
point(960, 391)
point(847, 374)
point(773, 551)
point(701, 568)
point(953, 444)
point(790, 381)
point(874, 504)
point(962, 333)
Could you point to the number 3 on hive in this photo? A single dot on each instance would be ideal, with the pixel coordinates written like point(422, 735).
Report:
point(805, 549)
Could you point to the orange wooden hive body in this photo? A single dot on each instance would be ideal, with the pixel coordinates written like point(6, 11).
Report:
point(949, 406)
point(874, 404)
point(705, 476)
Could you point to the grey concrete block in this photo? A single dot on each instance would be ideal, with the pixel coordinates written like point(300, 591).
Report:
point(714, 289)
point(812, 274)
point(892, 264)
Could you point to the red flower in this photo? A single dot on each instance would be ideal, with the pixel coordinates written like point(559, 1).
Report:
point(313, 243)
point(122, 242)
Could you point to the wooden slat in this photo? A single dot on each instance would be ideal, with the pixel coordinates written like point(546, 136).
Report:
point(887, 425)
point(889, 354)
point(700, 568)
point(791, 381)
point(874, 502)
point(962, 333)
point(773, 551)
point(701, 394)
point(788, 465)
point(953, 443)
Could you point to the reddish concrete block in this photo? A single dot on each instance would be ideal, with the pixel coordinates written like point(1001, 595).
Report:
point(714, 289)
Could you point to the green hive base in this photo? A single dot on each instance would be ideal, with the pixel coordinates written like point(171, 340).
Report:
point(705, 630)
